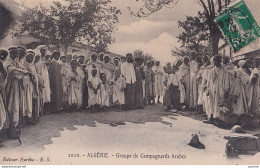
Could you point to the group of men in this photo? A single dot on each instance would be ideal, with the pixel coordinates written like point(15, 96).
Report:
point(34, 82)
point(218, 87)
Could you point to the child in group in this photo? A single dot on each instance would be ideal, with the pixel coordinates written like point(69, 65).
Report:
point(173, 91)
point(94, 85)
point(119, 84)
point(104, 89)
point(74, 85)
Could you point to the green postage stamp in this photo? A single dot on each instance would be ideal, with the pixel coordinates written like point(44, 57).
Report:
point(238, 25)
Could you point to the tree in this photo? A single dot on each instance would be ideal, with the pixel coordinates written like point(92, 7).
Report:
point(6, 20)
point(140, 53)
point(194, 37)
point(88, 21)
point(210, 10)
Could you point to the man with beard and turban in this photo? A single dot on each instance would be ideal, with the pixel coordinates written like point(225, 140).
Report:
point(56, 84)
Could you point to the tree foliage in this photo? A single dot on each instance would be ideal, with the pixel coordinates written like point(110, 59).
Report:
point(194, 37)
point(140, 53)
point(89, 21)
point(209, 12)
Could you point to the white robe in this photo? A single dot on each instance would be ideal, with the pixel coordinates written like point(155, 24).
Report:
point(118, 95)
point(43, 71)
point(73, 88)
point(94, 98)
point(159, 88)
point(104, 90)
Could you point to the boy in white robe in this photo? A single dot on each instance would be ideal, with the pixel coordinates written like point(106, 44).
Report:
point(104, 90)
point(119, 85)
point(94, 84)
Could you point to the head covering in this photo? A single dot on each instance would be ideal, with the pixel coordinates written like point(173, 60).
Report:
point(241, 63)
point(12, 48)
point(93, 54)
point(186, 57)
point(116, 58)
point(81, 56)
point(21, 48)
point(106, 56)
point(63, 57)
point(29, 52)
point(41, 47)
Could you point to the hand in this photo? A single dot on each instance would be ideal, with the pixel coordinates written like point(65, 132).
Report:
point(122, 89)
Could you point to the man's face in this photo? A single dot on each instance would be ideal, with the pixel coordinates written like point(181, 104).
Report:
point(118, 73)
point(157, 63)
point(56, 57)
point(69, 58)
point(47, 57)
point(186, 61)
point(129, 59)
point(43, 52)
point(103, 78)
point(123, 60)
point(21, 53)
point(29, 58)
point(225, 60)
point(37, 58)
point(64, 60)
point(75, 57)
point(13, 54)
point(94, 58)
point(94, 72)
point(116, 62)
point(81, 60)
point(106, 59)
point(74, 66)
point(3, 55)
point(101, 57)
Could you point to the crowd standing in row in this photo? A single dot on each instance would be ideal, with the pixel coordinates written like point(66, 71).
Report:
point(35, 82)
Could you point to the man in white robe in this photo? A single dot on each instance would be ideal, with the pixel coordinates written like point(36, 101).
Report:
point(158, 83)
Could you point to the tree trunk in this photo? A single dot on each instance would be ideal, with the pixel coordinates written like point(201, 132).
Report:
point(214, 43)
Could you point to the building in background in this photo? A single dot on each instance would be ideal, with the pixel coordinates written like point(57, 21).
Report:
point(29, 42)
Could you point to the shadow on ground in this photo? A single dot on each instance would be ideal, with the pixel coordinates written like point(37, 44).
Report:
point(51, 125)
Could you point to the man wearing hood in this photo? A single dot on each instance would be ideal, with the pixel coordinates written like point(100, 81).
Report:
point(13, 87)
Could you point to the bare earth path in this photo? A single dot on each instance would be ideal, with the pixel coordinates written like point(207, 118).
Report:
point(129, 137)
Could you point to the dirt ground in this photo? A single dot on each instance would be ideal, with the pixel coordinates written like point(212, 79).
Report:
point(150, 131)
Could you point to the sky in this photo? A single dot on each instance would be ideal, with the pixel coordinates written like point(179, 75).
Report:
point(155, 34)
